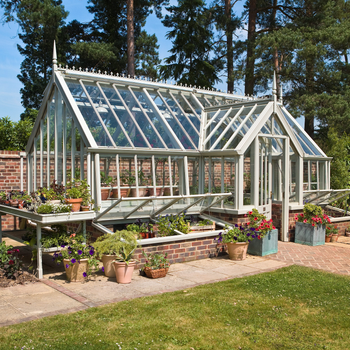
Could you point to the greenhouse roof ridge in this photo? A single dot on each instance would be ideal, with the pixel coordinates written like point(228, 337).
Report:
point(149, 81)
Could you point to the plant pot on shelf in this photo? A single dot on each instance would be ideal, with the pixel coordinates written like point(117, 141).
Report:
point(20, 204)
point(159, 273)
point(264, 246)
point(75, 202)
point(334, 238)
point(310, 235)
point(124, 192)
point(144, 235)
point(14, 203)
point(75, 272)
point(237, 251)
point(124, 271)
point(198, 228)
point(347, 233)
point(85, 207)
point(104, 193)
point(166, 191)
point(158, 192)
point(328, 238)
point(107, 261)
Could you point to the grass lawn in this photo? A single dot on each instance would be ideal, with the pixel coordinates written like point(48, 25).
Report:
point(291, 308)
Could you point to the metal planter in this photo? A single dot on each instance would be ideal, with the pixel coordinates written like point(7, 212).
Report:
point(265, 246)
point(310, 235)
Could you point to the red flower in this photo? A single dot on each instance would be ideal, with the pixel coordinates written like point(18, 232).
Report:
point(259, 237)
point(250, 212)
point(302, 215)
point(273, 227)
point(255, 218)
point(11, 262)
point(313, 224)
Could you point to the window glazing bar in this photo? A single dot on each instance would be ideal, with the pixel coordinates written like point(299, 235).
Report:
point(189, 105)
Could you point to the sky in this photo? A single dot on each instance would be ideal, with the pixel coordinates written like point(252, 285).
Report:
point(10, 59)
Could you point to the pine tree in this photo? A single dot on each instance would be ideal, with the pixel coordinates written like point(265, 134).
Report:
point(192, 38)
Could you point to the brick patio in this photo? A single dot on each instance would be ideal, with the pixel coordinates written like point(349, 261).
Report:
point(333, 257)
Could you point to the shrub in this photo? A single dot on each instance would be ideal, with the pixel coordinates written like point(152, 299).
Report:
point(10, 263)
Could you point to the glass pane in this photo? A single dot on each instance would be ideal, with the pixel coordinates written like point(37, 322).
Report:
point(193, 174)
point(146, 127)
point(173, 123)
point(90, 116)
point(186, 108)
point(124, 119)
point(156, 120)
point(193, 134)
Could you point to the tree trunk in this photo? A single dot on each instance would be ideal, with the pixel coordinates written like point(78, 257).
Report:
point(275, 50)
point(130, 38)
point(229, 30)
point(309, 84)
point(249, 76)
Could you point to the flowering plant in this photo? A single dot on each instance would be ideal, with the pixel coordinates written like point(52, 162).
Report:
point(259, 223)
point(9, 261)
point(312, 214)
point(75, 250)
point(156, 261)
point(237, 234)
point(331, 230)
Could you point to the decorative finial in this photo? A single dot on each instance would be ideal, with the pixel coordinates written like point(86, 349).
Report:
point(274, 86)
point(54, 56)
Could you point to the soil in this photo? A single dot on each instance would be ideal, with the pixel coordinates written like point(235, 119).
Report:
point(20, 277)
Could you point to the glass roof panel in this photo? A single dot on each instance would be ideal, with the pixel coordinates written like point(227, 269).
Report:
point(156, 120)
point(191, 130)
point(306, 144)
point(194, 104)
point(187, 109)
point(204, 102)
point(89, 114)
point(124, 119)
point(107, 116)
point(176, 126)
point(145, 125)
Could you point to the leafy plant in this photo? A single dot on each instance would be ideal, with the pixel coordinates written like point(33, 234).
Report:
point(48, 208)
point(259, 223)
point(205, 222)
point(156, 261)
point(169, 223)
point(140, 227)
point(127, 178)
point(112, 244)
point(105, 179)
point(237, 234)
point(331, 230)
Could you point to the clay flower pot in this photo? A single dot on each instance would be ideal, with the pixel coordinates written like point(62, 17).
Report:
point(108, 267)
point(77, 271)
point(328, 238)
point(237, 251)
point(123, 271)
point(75, 202)
point(334, 238)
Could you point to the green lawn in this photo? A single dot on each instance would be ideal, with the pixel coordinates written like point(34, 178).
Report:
point(291, 308)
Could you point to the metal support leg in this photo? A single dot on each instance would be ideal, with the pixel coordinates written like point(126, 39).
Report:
point(39, 252)
point(84, 231)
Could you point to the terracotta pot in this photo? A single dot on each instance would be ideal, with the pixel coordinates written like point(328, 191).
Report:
point(85, 207)
point(237, 251)
point(104, 193)
point(144, 235)
point(328, 239)
point(75, 271)
point(7, 202)
point(107, 261)
point(20, 204)
point(142, 192)
point(334, 238)
point(75, 202)
point(347, 233)
point(124, 192)
point(123, 271)
point(14, 203)
point(159, 191)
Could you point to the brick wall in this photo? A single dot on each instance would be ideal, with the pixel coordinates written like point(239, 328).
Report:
point(10, 179)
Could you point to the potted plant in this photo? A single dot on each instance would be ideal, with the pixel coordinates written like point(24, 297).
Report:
point(143, 181)
point(106, 185)
point(266, 241)
point(310, 226)
point(86, 196)
point(109, 246)
point(3, 197)
point(169, 223)
point(145, 230)
point(328, 233)
point(237, 240)
point(78, 259)
point(202, 225)
point(127, 178)
point(74, 194)
point(334, 233)
point(156, 265)
point(124, 264)
point(54, 194)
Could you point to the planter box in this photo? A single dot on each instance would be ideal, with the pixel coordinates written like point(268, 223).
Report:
point(265, 246)
point(310, 235)
point(197, 228)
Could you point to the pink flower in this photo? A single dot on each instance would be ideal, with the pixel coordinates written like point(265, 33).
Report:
point(305, 221)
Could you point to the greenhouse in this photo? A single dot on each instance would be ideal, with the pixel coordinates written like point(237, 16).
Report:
point(148, 148)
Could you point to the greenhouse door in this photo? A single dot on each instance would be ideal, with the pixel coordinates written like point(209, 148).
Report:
point(274, 146)
point(265, 177)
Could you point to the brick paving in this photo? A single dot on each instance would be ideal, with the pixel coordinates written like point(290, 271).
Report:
point(329, 257)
